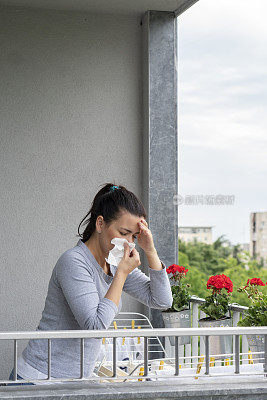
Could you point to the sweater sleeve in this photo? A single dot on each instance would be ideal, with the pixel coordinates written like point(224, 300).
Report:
point(81, 294)
point(153, 291)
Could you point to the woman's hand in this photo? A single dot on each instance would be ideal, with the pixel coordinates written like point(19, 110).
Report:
point(129, 261)
point(145, 238)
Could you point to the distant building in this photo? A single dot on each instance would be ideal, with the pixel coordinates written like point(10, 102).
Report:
point(258, 236)
point(200, 233)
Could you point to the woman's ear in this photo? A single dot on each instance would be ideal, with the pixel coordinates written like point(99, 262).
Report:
point(99, 223)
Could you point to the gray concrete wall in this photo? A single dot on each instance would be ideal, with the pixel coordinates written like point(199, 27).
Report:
point(71, 106)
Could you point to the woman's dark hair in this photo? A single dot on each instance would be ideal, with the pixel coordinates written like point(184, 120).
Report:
point(110, 203)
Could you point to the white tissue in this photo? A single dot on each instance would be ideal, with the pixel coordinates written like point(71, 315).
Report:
point(116, 254)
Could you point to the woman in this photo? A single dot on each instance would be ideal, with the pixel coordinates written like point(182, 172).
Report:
point(84, 291)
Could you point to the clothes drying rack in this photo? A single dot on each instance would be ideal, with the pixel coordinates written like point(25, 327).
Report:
point(130, 355)
point(130, 350)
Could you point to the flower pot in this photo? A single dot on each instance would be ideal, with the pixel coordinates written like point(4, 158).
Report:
point(178, 319)
point(256, 343)
point(217, 344)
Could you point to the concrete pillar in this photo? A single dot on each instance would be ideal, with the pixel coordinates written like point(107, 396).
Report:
point(160, 147)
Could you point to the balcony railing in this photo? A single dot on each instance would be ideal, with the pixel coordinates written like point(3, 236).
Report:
point(193, 351)
point(178, 360)
point(145, 334)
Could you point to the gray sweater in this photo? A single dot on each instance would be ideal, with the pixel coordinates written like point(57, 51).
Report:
point(75, 300)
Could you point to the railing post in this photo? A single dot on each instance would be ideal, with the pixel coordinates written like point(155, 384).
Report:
point(236, 317)
point(49, 359)
point(82, 358)
point(176, 349)
point(145, 356)
point(207, 352)
point(15, 359)
point(114, 357)
point(237, 354)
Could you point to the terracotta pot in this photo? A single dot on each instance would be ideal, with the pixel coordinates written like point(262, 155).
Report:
point(178, 319)
point(256, 343)
point(218, 344)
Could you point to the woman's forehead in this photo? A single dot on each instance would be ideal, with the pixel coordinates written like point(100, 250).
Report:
point(128, 219)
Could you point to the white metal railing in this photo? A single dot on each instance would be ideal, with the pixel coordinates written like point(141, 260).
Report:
point(145, 334)
point(191, 350)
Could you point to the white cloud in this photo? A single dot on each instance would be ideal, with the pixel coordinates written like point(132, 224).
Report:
point(222, 100)
point(242, 17)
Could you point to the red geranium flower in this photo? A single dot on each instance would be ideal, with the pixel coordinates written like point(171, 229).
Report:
point(255, 282)
point(218, 282)
point(172, 269)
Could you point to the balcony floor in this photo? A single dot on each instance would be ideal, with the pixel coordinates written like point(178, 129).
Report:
point(206, 388)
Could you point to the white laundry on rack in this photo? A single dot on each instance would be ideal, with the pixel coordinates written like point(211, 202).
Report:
point(127, 349)
point(123, 350)
point(137, 349)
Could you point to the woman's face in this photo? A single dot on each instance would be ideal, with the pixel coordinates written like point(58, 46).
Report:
point(126, 226)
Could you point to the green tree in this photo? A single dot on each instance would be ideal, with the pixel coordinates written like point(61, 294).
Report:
point(197, 280)
point(204, 260)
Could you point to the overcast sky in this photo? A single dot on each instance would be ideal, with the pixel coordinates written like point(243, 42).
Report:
point(222, 100)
